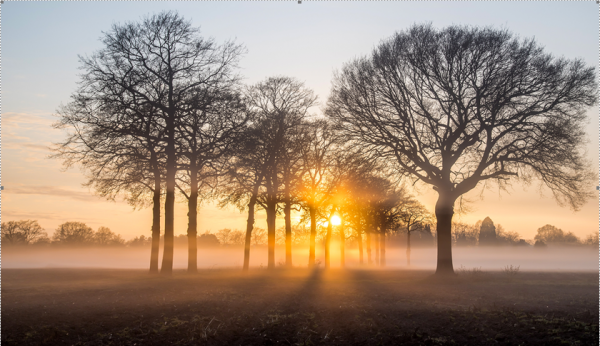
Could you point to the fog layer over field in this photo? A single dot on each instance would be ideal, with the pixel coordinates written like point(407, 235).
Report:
point(579, 258)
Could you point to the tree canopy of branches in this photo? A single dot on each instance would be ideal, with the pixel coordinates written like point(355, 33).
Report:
point(146, 83)
point(551, 234)
point(316, 183)
point(463, 105)
point(280, 105)
point(73, 233)
point(21, 232)
point(208, 136)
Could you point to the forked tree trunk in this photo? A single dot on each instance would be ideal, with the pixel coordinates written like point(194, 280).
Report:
point(155, 224)
point(444, 210)
point(313, 236)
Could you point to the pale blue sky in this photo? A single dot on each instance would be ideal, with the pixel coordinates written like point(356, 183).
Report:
point(41, 42)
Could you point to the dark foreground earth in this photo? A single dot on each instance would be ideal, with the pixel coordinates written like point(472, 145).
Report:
point(297, 307)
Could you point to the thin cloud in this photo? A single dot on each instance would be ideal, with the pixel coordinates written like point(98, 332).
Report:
point(26, 145)
point(14, 119)
point(51, 191)
point(30, 215)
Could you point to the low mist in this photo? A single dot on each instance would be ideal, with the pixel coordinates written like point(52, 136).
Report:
point(576, 258)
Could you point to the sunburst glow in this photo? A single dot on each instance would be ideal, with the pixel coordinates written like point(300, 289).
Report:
point(335, 220)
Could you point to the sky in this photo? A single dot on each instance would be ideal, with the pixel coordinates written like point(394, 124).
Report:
point(41, 42)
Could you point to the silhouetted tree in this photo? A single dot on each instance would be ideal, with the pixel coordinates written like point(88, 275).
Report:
point(21, 232)
point(504, 237)
point(591, 239)
point(209, 132)
point(105, 237)
point(315, 187)
point(280, 104)
point(551, 234)
point(73, 233)
point(158, 64)
point(465, 234)
point(118, 142)
point(208, 240)
point(414, 216)
point(139, 241)
point(292, 168)
point(245, 176)
point(358, 186)
point(227, 236)
point(463, 105)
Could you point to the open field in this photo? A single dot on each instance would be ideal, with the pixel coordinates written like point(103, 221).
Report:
point(297, 307)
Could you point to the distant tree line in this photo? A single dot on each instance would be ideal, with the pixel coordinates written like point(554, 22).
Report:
point(161, 112)
point(29, 232)
point(485, 233)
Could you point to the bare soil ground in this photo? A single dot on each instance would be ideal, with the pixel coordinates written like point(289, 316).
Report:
point(297, 307)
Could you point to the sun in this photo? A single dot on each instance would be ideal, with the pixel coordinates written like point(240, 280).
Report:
point(335, 220)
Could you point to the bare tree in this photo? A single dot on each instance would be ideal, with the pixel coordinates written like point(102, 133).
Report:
point(464, 105)
point(73, 233)
point(280, 104)
point(318, 156)
point(292, 168)
point(159, 63)
point(105, 237)
point(245, 177)
point(208, 134)
point(118, 142)
point(21, 232)
point(414, 216)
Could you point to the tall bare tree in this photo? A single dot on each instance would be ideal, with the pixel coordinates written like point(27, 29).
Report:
point(318, 157)
point(281, 103)
point(208, 135)
point(119, 143)
point(160, 63)
point(245, 176)
point(463, 105)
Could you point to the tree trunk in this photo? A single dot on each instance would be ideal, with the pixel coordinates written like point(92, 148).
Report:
point(192, 230)
point(360, 246)
point(369, 260)
point(155, 224)
point(444, 210)
point(167, 260)
point(328, 243)
point(249, 228)
point(408, 247)
point(342, 245)
point(376, 236)
point(271, 215)
point(287, 209)
point(382, 247)
point(313, 236)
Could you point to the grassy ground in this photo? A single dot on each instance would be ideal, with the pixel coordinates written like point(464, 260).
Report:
point(297, 307)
